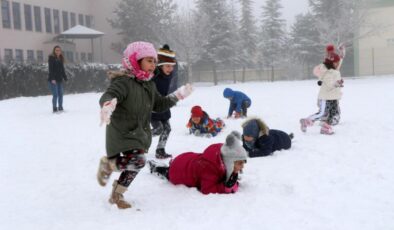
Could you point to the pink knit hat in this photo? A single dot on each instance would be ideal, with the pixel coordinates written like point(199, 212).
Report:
point(133, 53)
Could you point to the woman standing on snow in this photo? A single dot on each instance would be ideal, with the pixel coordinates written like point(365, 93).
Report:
point(126, 108)
point(55, 78)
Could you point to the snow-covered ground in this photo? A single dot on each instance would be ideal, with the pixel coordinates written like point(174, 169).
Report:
point(346, 181)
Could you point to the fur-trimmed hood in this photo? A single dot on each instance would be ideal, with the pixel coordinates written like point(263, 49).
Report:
point(264, 130)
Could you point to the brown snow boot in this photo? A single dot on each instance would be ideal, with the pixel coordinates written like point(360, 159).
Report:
point(106, 167)
point(117, 196)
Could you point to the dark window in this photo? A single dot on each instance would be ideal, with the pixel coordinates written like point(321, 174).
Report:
point(80, 19)
point(30, 56)
point(5, 14)
point(76, 57)
point(37, 18)
point(73, 19)
point(83, 56)
point(40, 56)
point(87, 21)
point(56, 21)
point(19, 56)
point(90, 57)
point(48, 20)
point(65, 20)
point(16, 15)
point(70, 56)
point(8, 55)
point(28, 18)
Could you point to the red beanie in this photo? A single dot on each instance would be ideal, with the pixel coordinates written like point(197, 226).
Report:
point(330, 48)
point(335, 57)
point(197, 111)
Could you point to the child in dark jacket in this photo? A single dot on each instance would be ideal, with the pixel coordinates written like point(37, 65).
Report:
point(213, 171)
point(260, 141)
point(200, 124)
point(160, 121)
point(239, 103)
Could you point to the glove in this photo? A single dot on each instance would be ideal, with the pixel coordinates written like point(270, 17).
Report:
point(106, 111)
point(237, 115)
point(197, 133)
point(319, 83)
point(339, 83)
point(231, 185)
point(208, 135)
point(183, 91)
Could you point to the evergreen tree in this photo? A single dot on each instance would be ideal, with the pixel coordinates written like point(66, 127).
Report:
point(248, 34)
point(142, 20)
point(273, 34)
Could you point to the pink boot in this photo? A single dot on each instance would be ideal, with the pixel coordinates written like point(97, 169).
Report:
point(326, 129)
point(305, 122)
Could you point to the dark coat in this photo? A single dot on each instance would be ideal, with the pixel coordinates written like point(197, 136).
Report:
point(56, 69)
point(205, 171)
point(162, 82)
point(130, 121)
point(267, 144)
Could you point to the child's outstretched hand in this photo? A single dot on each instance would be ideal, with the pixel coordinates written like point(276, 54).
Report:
point(106, 111)
point(183, 91)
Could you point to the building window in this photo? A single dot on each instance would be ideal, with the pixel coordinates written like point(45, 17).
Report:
point(28, 18)
point(70, 56)
point(30, 56)
point(83, 56)
point(65, 20)
point(76, 57)
point(48, 20)
point(56, 21)
point(87, 21)
point(80, 19)
point(37, 18)
point(16, 15)
point(90, 57)
point(40, 56)
point(8, 55)
point(19, 56)
point(73, 19)
point(5, 14)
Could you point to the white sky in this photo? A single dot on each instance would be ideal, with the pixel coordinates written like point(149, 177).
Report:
point(290, 7)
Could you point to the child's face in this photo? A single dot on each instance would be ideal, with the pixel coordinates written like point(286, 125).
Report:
point(167, 69)
point(148, 64)
point(58, 51)
point(196, 120)
point(238, 166)
point(248, 138)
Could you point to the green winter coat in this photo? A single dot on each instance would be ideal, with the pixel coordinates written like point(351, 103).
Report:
point(130, 121)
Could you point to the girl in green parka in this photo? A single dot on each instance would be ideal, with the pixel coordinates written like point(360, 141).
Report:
point(126, 108)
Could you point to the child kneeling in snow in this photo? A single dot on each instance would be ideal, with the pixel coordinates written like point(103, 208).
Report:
point(260, 141)
point(214, 171)
point(239, 103)
point(200, 124)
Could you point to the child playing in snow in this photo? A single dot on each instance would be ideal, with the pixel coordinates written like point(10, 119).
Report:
point(126, 108)
point(201, 125)
point(239, 103)
point(329, 94)
point(260, 141)
point(164, 73)
point(213, 171)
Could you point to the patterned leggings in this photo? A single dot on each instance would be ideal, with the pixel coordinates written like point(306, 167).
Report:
point(333, 112)
point(162, 128)
point(129, 163)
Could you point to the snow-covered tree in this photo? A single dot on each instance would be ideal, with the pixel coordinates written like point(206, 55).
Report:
point(305, 41)
point(273, 34)
point(145, 20)
point(248, 34)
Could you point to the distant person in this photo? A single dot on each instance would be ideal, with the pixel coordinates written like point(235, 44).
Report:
point(260, 141)
point(213, 171)
point(200, 124)
point(55, 78)
point(160, 121)
point(239, 103)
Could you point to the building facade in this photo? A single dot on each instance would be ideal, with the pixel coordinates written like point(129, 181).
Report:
point(374, 55)
point(29, 27)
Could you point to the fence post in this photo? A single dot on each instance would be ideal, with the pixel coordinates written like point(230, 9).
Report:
point(234, 77)
point(243, 74)
point(373, 61)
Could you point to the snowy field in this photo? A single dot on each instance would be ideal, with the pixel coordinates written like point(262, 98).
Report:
point(48, 165)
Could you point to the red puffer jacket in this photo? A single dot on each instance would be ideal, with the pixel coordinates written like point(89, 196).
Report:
point(204, 171)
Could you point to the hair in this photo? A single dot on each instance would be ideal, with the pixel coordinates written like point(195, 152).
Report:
point(61, 57)
point(329, 64)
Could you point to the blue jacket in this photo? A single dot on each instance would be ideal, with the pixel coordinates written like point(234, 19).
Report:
point(162, 83)
point(267, 144)
point(237, 98)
